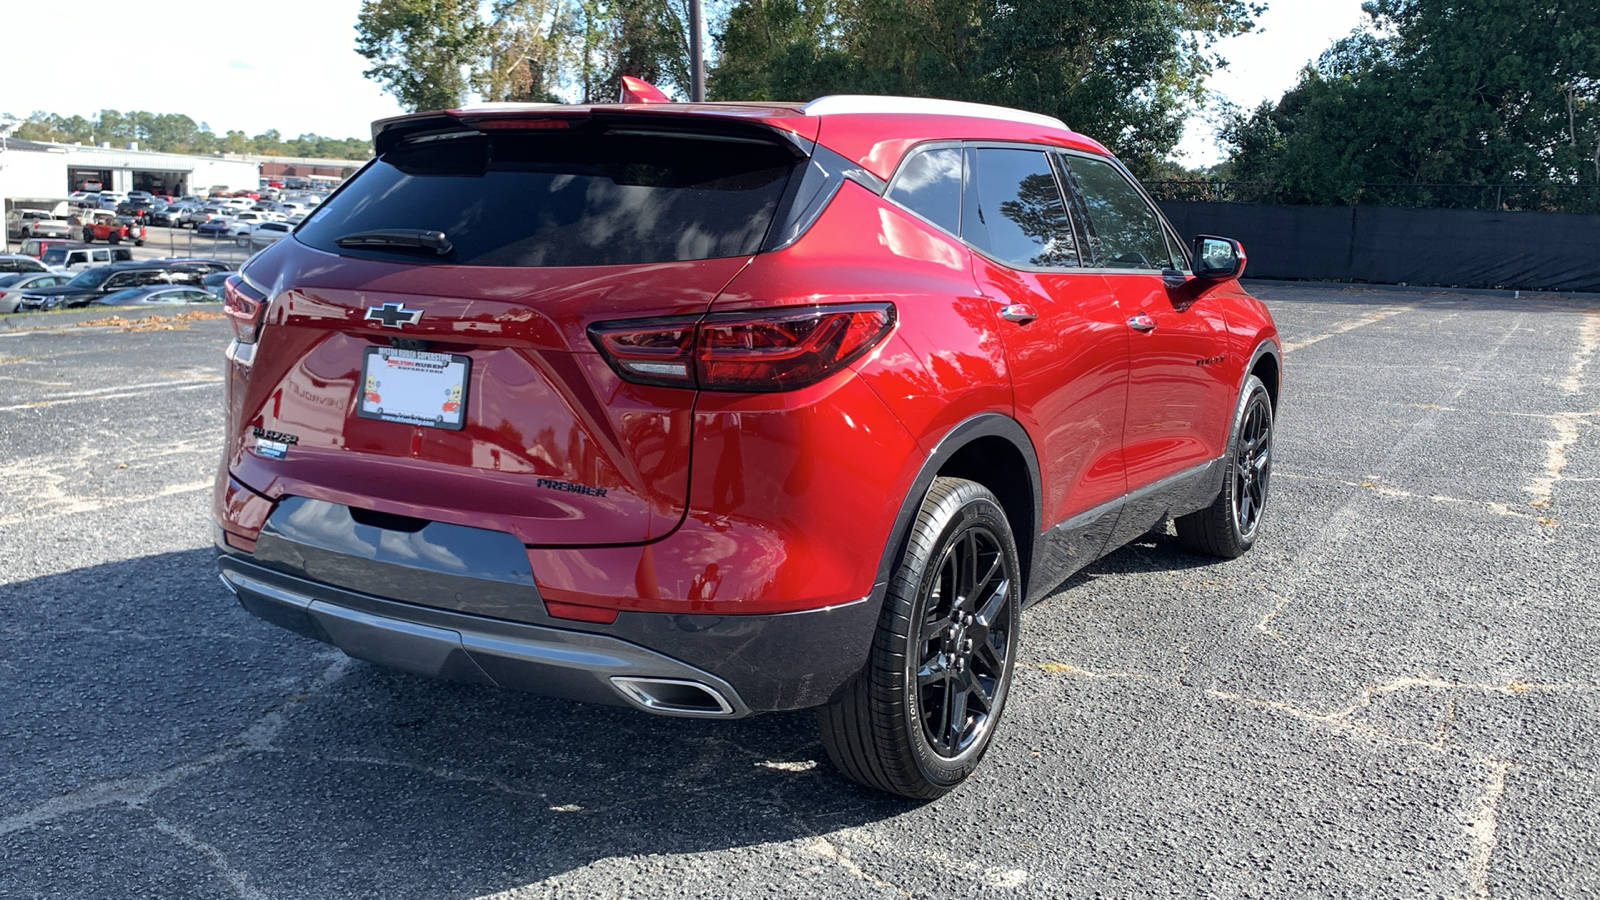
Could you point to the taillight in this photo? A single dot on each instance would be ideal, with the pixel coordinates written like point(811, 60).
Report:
point(245, 307)
point(766, 350)
point(649, 351)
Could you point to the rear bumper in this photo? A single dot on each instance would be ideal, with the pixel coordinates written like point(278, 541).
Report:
point(687, 665)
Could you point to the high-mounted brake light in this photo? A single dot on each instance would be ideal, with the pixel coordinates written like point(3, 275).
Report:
point(767, 350)
point(519, 124)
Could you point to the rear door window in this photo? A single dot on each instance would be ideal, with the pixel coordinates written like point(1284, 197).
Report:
point(1124, 231)
point(1014, 210)
point(930, 185)
point(583, 198)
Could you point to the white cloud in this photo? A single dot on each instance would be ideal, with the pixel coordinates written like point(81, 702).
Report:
point(248, 65)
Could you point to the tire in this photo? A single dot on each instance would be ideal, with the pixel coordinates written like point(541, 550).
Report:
point(893, 728)
point(1231, 524)
point(242, 240)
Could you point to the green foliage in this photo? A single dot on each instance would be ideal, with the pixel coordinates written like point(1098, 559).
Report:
point(420, 50)
point(431, 53)
point(174, 133)
point(1435, 92)
point(1126, 72)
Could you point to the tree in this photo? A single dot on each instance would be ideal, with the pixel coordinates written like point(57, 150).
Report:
point(1125, 71)
point(421, 50)
point(1433, 93)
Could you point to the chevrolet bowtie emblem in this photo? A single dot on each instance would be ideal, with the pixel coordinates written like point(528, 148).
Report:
point(393, 315)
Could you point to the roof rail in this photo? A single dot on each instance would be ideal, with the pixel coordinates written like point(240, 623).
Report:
point(838, 104)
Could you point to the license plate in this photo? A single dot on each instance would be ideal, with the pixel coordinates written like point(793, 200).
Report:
point(414, 387)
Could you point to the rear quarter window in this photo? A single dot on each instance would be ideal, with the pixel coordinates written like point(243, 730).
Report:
point(543, 199)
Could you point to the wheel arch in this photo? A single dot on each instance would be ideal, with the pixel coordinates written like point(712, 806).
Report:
point(1266, 363)
point(993, 450)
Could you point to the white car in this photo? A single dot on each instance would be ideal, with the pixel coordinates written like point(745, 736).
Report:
point(266, 234)
point(110, 199)
point(239, 203)
point(30, 223)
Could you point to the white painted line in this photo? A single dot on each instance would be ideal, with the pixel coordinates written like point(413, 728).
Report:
point(114, 393)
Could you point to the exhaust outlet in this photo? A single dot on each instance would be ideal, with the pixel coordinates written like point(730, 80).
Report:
point(673, 696)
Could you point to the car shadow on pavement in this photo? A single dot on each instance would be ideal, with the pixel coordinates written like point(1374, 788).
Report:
point(144, 687)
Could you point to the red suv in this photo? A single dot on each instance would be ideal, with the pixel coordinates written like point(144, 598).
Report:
point(717, 409)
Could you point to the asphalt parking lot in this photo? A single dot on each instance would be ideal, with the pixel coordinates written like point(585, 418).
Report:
point(1396, 694)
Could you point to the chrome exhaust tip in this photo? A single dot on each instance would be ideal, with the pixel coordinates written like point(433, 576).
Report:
point(673, 696)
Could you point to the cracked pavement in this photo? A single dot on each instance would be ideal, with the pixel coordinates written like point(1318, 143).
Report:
point(1397, 693)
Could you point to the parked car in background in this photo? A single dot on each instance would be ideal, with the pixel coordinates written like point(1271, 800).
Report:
point(110, 199)
point(36, 247)
point(136, 207)
point(158, 295)
point(215, 281)
point(164, 216)
point(29, 223)
point(17, 262)
point(105, 225)
point(202, 265)
point(266, 234)
point(83, 198)
point(12, 286)
point(76, 257)
point(92, 284)
point(216, 227)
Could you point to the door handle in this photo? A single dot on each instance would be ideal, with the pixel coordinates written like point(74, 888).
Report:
point(1021, 313)
point(1142, 322)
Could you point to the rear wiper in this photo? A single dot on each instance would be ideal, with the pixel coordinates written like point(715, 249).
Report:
point(405, 239)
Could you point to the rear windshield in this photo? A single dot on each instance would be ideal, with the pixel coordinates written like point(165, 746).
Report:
point(563, 199)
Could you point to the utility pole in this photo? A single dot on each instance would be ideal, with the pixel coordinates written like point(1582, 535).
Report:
point(697, 55)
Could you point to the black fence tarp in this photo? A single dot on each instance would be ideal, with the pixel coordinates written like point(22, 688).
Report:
point(1387, 245)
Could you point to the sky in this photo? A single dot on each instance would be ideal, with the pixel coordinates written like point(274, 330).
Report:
point(252, 65)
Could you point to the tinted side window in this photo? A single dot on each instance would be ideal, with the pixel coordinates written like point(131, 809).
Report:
point(1015, 212)
point(1124, 231)
point(930, 186)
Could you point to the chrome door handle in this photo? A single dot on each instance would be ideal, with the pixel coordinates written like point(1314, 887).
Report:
point(1021, 313)
point(1142, 322)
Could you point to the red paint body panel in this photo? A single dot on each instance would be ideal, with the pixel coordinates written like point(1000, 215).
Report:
point(945, 361)
point(1069, 369)
point(541, 403)
point(790, 500)
point(1180, 394)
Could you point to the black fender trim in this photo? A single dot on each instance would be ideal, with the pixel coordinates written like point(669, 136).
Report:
point(990, 424)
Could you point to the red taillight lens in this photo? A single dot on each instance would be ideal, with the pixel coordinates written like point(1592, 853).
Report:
point(767, 350)
point(781, 350)
point(649, 351)
point(245, 307)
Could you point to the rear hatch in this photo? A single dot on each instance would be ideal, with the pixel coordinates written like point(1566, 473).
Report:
point(426, 353)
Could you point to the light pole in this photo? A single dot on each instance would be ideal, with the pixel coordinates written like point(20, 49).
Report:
point(697, 55)
point(6, 129)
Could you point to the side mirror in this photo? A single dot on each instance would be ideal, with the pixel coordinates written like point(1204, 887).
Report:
point(1217, 258)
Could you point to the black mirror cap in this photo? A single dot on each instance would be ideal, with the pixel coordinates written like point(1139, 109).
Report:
point(1218, 258)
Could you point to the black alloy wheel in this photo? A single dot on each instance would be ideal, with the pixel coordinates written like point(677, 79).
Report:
point(1252, 468)
point(965, 642)
point(920, 716)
